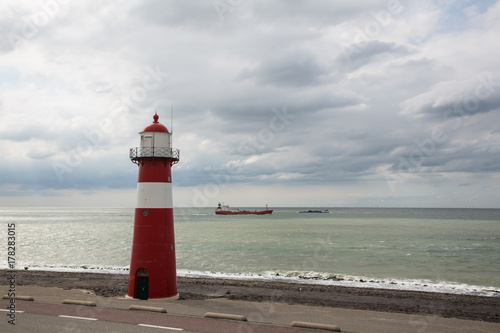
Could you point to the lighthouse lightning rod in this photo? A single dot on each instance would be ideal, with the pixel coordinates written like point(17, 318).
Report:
point(171, 125)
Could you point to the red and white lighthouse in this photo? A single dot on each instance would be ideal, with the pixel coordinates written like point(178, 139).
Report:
point(152, 264)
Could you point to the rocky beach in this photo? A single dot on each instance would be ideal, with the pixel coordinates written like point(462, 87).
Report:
point(398, 301)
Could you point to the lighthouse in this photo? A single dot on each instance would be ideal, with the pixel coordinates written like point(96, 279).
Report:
point(152, 264)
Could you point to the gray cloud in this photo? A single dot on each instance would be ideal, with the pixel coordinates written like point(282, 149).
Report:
point(94, 74)
point(295, 69)
point(361, 54)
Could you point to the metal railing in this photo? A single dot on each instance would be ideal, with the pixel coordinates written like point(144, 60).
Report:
point(156, 152)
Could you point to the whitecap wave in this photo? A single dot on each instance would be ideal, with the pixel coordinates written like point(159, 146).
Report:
point(353, 281)
point(300, 277)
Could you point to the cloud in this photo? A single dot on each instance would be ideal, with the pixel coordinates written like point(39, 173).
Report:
point(295, 69)
point(360, 54)
point(304, 94)
point(456, 98)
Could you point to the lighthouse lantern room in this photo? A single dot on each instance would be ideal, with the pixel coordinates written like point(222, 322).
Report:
point(152, 264)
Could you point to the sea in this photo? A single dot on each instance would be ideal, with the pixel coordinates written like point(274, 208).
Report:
point(434, 250)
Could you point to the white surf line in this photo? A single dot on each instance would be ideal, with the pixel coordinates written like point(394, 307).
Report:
point(73, 317)
point(17, 311)
point(163, 327)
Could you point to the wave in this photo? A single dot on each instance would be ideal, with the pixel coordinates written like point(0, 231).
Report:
point(74, 269)
point(354, 281)
point(301, 277)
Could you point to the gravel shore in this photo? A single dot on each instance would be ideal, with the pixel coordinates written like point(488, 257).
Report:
point(411, 302)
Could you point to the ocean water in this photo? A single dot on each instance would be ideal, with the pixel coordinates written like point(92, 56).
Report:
point(438, 250)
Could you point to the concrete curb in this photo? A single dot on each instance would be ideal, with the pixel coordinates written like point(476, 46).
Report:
point(20, 298)
point(75, 302)
point(147, 308)
point(225, 316)
point(317, 326)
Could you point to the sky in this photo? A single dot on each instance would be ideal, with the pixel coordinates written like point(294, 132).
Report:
point(288, 103)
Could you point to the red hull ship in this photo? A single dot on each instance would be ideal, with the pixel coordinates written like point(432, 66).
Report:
point(224, 210)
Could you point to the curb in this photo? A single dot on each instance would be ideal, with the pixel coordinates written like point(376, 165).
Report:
point(225, 316)
point(20, 298)
point(147, 308)
point(325, 327)
point(73, 302)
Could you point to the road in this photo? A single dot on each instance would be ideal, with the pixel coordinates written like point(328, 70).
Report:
point(45, 317)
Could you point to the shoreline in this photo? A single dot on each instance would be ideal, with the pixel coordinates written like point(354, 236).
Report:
point(425, 286)
point(460, 306)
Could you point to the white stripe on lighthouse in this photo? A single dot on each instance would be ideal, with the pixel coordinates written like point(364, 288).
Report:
point(154, 195)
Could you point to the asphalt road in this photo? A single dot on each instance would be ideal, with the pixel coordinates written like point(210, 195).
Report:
point(28, 322)
point(45, 317)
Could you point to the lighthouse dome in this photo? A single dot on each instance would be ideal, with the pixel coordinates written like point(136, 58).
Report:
point(155, 126)
point(156, 142)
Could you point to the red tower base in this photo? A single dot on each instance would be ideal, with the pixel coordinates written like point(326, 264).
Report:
point(152, 269)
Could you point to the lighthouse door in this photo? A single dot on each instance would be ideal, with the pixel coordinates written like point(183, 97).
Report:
point(142, 291)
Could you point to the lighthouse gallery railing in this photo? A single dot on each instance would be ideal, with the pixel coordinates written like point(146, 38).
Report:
point(158, 152)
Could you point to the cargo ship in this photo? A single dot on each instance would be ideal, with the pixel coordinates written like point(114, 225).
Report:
point(225, 210)
point(314, 211)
